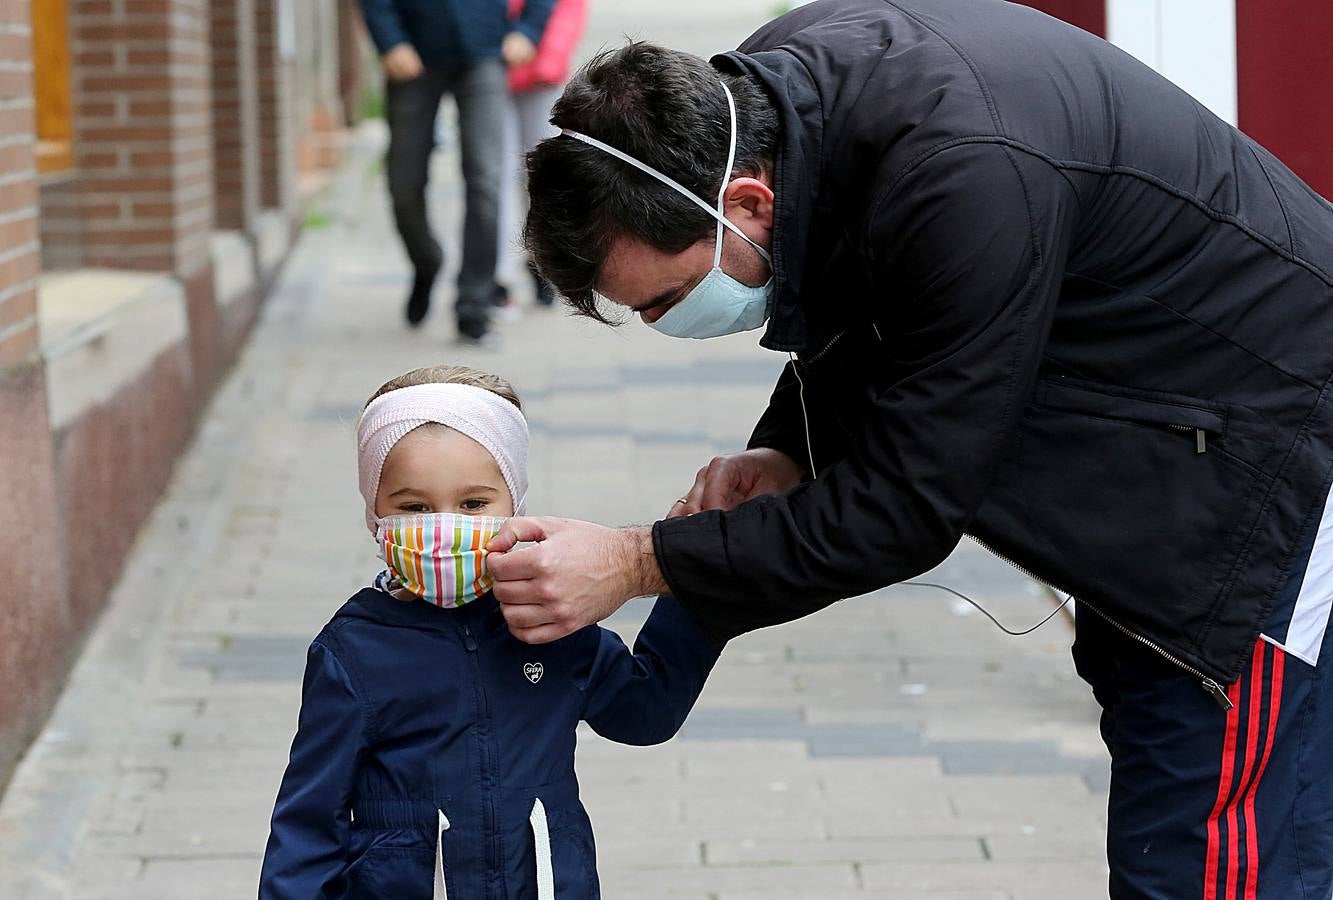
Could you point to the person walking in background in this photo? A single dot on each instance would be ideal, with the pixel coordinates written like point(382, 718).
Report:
point(533, 88)
point(460, 47)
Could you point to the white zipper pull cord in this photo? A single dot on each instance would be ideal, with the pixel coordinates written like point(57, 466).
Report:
point(805, 417)
point(441, 891)
point(541, 840)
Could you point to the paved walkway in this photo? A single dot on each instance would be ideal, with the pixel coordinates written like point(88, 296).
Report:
point(894, 746)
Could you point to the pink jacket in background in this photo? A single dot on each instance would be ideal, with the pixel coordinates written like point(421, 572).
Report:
point(551, 64)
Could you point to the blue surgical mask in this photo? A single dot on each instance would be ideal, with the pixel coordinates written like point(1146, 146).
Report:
point(719, 304)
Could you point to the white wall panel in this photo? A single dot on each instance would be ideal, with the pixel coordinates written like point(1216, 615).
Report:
point(1192, 42)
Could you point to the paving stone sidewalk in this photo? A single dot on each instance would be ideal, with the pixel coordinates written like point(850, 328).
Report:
point(893, 746)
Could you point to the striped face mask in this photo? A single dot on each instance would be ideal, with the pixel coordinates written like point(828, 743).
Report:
point(438, 557)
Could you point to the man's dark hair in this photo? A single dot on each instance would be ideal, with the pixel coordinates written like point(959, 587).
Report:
point(663, 107)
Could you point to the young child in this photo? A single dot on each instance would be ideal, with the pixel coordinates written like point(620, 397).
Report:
point(434, 754)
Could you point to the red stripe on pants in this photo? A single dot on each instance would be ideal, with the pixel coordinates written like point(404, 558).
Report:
point(1255, 688)
point(1274, 708)
point(1223, 791)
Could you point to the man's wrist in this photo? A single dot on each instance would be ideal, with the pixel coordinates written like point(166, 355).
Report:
point(644, 572)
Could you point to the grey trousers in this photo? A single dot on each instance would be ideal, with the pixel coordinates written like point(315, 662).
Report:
point(411, 107)
point(527, 123)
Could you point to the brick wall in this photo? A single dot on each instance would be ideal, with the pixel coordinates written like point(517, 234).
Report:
point(350, 58)
point(33, 599)
point(143, 140)
point(277, 161)
point(235, 114)
point(19, 255)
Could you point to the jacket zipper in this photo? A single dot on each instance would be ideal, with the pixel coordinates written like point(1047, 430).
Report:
point(1200, 437)
point(1210, 685)
point(470, 642)
point(819, 354)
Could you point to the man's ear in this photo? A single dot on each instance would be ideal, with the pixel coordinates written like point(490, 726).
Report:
point(749, 199)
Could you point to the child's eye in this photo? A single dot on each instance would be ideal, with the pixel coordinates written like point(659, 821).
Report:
point(414, 506)
point(474, 505)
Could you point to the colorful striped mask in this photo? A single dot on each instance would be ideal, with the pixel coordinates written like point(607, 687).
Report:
point(438, 557)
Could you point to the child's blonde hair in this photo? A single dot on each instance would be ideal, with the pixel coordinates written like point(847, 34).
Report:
point(452, 375)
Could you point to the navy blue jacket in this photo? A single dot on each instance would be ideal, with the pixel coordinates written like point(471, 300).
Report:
point(448, 32)
point(409, 711)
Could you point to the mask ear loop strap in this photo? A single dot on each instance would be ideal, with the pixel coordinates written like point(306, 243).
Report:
point(676, 186)
point(726, 178)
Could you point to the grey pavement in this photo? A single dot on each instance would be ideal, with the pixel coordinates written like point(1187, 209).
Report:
point(892, 746)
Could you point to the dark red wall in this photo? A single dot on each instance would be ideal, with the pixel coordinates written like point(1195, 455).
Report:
point(1285, 77)
point(1090, 15)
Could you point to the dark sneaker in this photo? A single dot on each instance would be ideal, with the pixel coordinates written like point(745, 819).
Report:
point(418, 302)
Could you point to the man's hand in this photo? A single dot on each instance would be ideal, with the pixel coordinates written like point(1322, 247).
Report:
point(517, 49)
point(731, 480)
point(577, 574)
point(402, 63)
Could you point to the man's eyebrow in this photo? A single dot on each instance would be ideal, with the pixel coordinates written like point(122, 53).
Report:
point(661, 299)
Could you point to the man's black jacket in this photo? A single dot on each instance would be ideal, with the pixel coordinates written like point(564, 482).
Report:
point(1041, 296)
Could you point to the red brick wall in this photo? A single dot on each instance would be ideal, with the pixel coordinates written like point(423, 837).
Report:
point(143, 140)
point(1090, 15)
point(351, 29)
point(277, 159)
point(33, 598)
point(19, 254)
point(235, 114)
point(1284, 73)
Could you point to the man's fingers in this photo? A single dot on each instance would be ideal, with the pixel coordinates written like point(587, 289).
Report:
point(542, 634)
point(692, 498)
point(514, 566)
point(517, 530)
point(526, 615)
point(719, 488)
point(534, 623)
point(681, 507)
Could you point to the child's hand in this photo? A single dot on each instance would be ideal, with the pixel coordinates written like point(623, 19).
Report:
point(577, 574)
point(517, 49)
point(402, 63)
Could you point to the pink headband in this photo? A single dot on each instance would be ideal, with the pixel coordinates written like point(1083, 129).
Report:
point(487, 418)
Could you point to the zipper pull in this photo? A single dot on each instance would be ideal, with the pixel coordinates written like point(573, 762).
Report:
point(1200, 441)
point(468, 640)
point(1218, 693)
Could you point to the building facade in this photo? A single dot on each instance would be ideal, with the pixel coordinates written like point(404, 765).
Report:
point(1262, 65)
point(155, 159)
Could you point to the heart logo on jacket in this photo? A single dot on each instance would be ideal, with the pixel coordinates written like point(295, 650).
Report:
point(533, 672)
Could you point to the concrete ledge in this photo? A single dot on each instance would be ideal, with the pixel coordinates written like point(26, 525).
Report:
point(101, 330)
point(234, 274)
point(273, 237)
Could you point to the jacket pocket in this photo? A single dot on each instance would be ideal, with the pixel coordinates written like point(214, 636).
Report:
point(1202, 419)
point(574, 861)
point(403, 873)
point(1103, 493)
